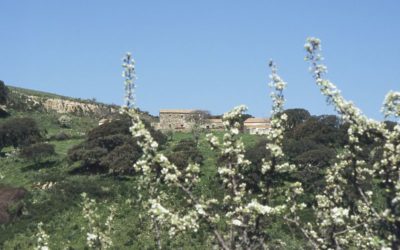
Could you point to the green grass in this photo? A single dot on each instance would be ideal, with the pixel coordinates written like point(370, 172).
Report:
point(60, 208)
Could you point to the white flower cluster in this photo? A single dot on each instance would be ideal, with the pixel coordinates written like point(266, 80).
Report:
point(98, 235)
point(391, 105)
point(344, 214)
point(344, 225)
point(176, 222)
point(42, 238)
point(231, 171)
point(130, 77)
point(155, 169)
point(278, 85)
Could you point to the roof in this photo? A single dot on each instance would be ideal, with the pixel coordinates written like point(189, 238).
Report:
point(215, 120)
point(177, 111)
point(256, 120)
point(258, 126)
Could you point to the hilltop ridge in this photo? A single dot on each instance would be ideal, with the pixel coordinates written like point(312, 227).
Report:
point(22, 99)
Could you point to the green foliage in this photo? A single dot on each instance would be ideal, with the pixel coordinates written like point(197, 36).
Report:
point(310, 142)
point(296, 117)
point(185, 152)
point(37, 152)
point(64, 121)
point(61, 136)
point(110, 148)
point(325, 129)
point(19, 132)
point(3, 93)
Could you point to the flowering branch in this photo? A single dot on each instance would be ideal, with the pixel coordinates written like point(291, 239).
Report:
point(130, 77)
point(98, 235)
point(42, 238)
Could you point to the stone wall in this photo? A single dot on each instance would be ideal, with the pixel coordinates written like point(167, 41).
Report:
point(177, 121)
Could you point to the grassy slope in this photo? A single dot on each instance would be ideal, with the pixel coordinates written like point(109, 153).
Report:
point(59, 208)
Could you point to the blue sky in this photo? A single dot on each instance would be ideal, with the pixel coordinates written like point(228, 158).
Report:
point(207, 54)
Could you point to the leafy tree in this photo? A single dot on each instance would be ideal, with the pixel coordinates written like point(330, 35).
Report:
point(320, 129)
point(296, 117)
point(3, 93)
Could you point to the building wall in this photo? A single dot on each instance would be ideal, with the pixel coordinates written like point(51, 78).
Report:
point(258, 131)
point(184, 120)
point(175, 121)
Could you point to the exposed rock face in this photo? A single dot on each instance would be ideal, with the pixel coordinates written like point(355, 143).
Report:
point(73, 107)
point(20, 101)
point(8, 197)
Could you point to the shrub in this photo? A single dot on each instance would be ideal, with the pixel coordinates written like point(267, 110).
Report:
point(185, 152)
point(3, 93)
point(62, 136)
point(19, 132)
point(37, 152)
point(64, 121)
point(119, 161)
point(325, 129)
point(110, 148)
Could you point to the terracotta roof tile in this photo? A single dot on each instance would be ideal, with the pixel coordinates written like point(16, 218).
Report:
point(177, 111)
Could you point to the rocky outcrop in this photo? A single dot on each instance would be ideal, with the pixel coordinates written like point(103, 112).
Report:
point(74, 107)
point(21, 101)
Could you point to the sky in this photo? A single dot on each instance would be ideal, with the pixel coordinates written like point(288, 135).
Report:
point(209, 54)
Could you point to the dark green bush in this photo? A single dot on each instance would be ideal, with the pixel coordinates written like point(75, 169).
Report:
point(122, 158)
point(37, 152)
point(19, 132)
point(3, 93)
point(110, 148)
point(296, 117)
point(320, 129)
point(310, 142)
point(62, 136)
point(185, 152)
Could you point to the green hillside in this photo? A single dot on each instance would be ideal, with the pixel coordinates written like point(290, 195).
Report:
point(60, 208)
point(97, 161)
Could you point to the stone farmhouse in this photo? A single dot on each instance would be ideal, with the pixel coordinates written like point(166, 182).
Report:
point(257, 125)
point(186, 120)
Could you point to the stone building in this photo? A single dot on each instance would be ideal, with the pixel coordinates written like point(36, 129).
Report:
point(257, 125)
point(177, 119)
point(214, 124)
point(185, 120)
